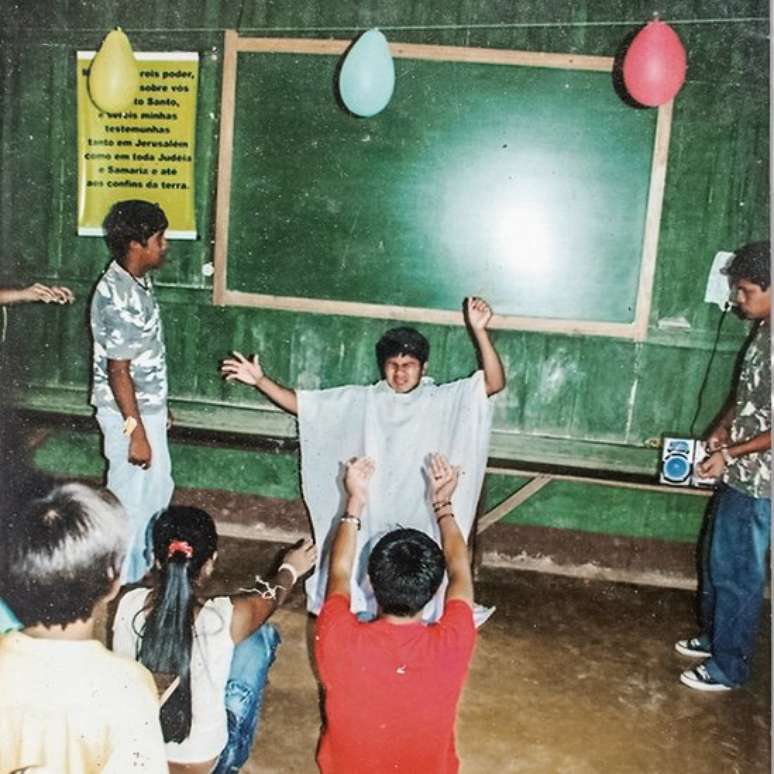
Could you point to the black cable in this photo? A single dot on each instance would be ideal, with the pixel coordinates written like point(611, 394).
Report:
point(709, 366)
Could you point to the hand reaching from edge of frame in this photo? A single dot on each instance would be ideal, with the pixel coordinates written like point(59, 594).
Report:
point(48, 294)
point(239, 368)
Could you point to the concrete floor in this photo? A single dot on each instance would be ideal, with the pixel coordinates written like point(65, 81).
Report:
point(569, 676)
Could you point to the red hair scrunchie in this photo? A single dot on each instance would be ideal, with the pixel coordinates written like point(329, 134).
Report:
point(180, 546)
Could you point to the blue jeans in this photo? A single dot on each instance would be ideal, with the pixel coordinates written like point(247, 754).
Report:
point(244, 695)
point(734, 576)
point(143, 493)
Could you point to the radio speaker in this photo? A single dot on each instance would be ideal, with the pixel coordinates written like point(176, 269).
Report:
point(679, 460)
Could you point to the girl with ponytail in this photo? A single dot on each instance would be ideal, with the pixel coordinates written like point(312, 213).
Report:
point(215, 652)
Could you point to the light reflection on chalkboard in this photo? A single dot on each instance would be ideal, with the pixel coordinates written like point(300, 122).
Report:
point(522, 240)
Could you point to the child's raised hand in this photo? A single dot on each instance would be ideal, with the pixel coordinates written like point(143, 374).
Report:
point(443, 478)
point(302, 557)
point(357, 477)
point(239, 368)
point(478, 312)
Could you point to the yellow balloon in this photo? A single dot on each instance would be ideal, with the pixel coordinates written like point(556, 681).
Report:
point(113, 76)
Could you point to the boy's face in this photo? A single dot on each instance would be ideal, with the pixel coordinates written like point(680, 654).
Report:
point(154, 250)
point(753, 302)
point(403, 372)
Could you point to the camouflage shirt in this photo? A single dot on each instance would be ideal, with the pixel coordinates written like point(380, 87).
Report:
point(751, 473)
point(126, 325)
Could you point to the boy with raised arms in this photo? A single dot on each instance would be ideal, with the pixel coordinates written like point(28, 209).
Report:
point(399, 421)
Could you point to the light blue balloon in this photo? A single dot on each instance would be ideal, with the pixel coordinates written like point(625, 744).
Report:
point(367, 76)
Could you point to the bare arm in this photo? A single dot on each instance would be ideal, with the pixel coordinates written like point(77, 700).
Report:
point(251, 611)
point(722, 452)
point(250, 372)
point(443, 482)
point(478, 314)
point(342, 559)
point(758, 443)
point(37, 292)
point(120, 381)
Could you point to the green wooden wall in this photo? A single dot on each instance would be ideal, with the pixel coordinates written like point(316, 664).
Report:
point(590, 401)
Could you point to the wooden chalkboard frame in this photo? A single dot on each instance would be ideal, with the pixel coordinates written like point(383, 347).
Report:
point(222, 296)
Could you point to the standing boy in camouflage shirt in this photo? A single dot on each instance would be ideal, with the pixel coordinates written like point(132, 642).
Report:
point(734, 573)
point(129, 387)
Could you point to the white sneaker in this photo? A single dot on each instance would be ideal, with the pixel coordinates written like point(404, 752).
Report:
point(695, 648)
point(701, 680)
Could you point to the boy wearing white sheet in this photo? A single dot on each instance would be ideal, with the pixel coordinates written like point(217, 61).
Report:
point(400, 420)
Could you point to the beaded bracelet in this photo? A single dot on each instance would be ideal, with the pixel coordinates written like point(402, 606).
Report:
point(443, 516)
point(437, 506)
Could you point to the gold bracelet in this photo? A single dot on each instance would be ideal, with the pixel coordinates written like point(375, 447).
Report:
point(349, 518)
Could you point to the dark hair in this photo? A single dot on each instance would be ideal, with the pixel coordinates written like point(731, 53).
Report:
point(752, 263)
point(402, 341)
point(406, 568)
point(184, 538)
point(62, 554)
point(133, 220)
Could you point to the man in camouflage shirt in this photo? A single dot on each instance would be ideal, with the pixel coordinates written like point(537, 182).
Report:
point(129, 388)
point(739, 446)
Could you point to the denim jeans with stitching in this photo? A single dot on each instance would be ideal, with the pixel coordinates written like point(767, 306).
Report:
point(244, 695)
point(734, 576)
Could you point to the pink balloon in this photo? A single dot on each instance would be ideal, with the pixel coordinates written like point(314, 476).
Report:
point(654, 65)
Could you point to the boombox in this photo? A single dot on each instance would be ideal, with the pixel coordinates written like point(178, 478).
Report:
point(679, 460)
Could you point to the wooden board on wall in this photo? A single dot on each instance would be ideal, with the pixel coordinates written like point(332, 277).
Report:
point(521, 177)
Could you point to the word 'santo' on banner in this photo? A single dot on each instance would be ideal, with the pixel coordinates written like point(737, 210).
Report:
point(145, 152)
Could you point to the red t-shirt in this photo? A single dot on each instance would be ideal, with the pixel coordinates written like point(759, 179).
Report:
point(391, 691)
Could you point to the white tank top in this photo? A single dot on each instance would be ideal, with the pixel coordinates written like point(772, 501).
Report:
point(210, 663)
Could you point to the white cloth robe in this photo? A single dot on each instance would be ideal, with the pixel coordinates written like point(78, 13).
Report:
point(399, 431)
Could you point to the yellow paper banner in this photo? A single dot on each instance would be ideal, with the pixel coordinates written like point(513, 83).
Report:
point(146, 152)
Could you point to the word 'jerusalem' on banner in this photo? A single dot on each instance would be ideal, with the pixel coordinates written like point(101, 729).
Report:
point(145, 152)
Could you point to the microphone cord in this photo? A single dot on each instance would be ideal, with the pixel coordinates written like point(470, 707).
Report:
point(700, 398)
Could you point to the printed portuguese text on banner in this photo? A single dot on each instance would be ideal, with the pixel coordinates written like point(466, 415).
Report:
point(145, 152)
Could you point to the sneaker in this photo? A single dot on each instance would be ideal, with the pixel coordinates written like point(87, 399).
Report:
point(696, 647)
point(700, 679)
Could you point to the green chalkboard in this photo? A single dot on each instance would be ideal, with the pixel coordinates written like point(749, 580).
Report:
point(527, 185)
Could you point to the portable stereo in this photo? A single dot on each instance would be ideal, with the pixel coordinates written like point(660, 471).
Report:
point(680, 458)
